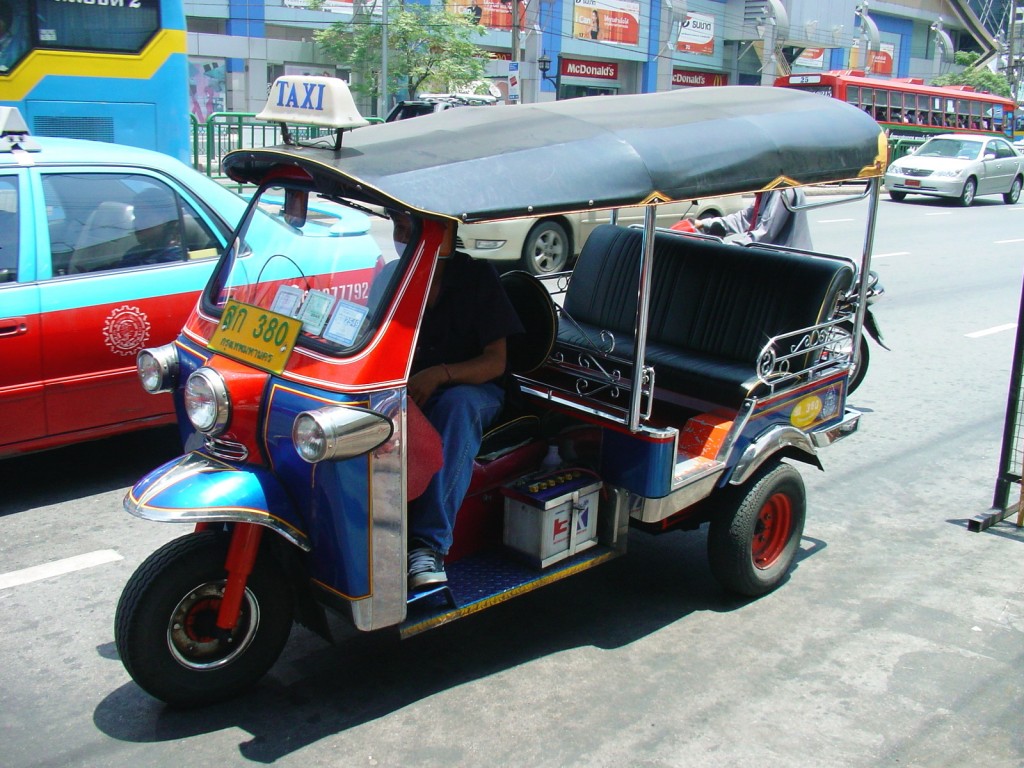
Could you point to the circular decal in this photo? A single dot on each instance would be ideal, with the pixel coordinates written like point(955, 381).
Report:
point(806, 411)
point(126, 330)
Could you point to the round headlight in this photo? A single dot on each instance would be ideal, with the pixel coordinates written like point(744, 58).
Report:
point(158, 368)
point(206, 401)
point(309, 438)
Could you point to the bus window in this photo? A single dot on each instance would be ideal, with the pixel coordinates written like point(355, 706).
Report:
point(895, 107)
point(853, 95)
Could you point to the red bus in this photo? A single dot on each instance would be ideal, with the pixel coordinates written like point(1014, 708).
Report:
point(907, 107)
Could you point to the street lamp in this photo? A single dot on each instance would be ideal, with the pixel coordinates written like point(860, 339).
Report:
point(544, 65)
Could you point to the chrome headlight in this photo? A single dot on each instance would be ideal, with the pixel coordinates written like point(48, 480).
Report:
point(339, 432)
point(158, 368)
point(207, 402)
point(950, 173)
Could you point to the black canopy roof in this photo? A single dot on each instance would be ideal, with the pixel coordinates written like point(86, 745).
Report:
point(477, 163)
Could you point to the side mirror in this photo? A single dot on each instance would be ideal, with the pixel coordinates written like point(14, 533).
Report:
point(296, 202)
point(990, 155)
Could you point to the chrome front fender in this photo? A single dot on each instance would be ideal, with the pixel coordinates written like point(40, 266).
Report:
point(196, 488)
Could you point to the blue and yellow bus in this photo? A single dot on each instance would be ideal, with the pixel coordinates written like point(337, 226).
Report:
point(109, 70)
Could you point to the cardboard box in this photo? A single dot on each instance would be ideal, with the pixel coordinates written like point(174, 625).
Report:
point(551, 515)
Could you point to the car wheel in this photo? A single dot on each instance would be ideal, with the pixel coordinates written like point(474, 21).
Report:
point(967, 196)
point(755, 531)
point(1011, 197)
point(546, 249)
point(897, 197)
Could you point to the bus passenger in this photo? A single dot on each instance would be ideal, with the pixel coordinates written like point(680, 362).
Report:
point(13, 35)
point(457, 368)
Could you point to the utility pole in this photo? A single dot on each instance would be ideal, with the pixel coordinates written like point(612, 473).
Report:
point(515, 30)
point(1011, 50)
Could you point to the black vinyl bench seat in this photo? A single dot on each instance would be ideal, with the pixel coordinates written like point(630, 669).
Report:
point(713, 307)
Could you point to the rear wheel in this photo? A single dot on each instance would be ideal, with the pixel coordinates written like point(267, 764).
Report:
point(897, 197)
point(1011, 197)
point(165, 626)
point(970, 190)
point(546, 248)
point(755, 532)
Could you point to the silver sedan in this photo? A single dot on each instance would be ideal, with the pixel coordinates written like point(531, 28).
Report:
point(960, 166)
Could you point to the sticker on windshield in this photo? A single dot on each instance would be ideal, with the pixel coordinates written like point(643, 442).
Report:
point(344, 326)
point(315, 311)
point(287, 300)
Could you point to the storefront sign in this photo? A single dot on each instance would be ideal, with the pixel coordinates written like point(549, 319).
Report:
point(697, 34)
point(590, 70)
point(692, 78)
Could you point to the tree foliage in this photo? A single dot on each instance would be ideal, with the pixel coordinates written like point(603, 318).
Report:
point(426, 47)
point(980, 78)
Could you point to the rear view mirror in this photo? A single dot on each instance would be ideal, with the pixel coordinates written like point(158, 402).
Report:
point(295, 205)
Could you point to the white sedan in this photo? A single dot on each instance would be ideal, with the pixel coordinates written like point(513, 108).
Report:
point(545, 245)
point(960, 166)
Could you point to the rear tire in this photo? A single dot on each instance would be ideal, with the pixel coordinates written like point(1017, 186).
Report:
point(967, 196)
point(1011, 197)
point(755, 531)
point(165, 623)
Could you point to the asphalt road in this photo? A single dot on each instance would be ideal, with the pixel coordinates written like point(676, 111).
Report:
point(897, 641)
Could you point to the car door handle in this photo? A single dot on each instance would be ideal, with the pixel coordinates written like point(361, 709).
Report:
point(13, 326)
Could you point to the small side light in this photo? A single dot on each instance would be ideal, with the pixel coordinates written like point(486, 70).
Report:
point(339, 432)
point(158, 368)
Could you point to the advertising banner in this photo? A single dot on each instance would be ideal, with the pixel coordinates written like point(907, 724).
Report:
point(492, 14)
point(608, 21)
point(881, 61)
point(513, 81)
point(697, 34)
point(811, 57)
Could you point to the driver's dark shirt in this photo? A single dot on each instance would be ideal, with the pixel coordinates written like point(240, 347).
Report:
point(472, 310)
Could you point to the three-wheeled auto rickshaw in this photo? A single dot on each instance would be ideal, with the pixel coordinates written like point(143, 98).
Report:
point(659, 385)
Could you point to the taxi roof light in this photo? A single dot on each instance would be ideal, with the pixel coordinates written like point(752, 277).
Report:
point(312, 100)
point(14, 133)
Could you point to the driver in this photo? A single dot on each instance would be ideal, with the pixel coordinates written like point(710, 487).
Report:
point(766, 220)
point(157, 229)
point(457, 370)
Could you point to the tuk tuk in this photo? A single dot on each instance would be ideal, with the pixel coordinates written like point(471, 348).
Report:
point(666, 382)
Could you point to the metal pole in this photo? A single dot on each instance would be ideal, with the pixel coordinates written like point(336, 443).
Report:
point(383, 95)
point(642, 312)
point(515, 31)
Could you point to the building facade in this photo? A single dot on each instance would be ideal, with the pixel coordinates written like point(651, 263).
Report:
point(573, 48)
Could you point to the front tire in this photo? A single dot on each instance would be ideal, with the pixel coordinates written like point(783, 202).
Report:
point(967, 196)
point(546, 249)
point(897, 196)
point(1011, 197)
point(165, 626)
point(755, 532)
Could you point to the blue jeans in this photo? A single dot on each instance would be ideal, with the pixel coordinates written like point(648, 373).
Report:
point(460, 414)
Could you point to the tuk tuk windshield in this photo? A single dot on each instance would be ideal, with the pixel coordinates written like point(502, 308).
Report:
point(308, 259)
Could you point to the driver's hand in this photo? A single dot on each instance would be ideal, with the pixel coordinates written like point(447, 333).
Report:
point(423, 384)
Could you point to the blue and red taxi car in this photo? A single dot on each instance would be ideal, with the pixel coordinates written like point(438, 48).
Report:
point(103, 251)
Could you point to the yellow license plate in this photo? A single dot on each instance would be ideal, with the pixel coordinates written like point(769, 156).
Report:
point(255, 336)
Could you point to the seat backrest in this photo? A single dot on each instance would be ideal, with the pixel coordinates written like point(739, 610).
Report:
point(108, 234)
point(528, 351)
point(706, 296)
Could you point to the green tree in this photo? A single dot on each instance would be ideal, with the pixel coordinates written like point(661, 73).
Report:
point(426, 47)
point(980, 78)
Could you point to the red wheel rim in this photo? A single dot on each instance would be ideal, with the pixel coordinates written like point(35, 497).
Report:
point(771, 533)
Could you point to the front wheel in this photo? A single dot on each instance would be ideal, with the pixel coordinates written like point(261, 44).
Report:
point(967, 196)
point(897, 196)
point(756, 529)
point(165, 626)
point(546, 249)
point(1011, 197)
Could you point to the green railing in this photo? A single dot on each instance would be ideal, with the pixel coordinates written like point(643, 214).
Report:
point(900, 146)
point(224, 131)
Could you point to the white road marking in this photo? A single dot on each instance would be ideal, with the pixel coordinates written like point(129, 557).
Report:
point(1014, 240)
point(940, 213)
point(990, 331)
point(893, 253)
point(833, 221)
point(58, 568)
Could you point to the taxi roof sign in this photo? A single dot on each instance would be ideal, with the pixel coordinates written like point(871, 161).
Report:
point(312, 100)
point(14, 132)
